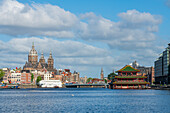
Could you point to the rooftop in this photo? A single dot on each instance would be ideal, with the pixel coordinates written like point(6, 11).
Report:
point(128, 68)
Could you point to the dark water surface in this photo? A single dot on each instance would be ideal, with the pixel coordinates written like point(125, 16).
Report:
point(84, 101)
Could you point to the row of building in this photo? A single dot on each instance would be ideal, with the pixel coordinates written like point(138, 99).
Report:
point(19, 76)
point(34, 68)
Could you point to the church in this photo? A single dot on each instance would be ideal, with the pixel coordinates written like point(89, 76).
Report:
point(34, 64)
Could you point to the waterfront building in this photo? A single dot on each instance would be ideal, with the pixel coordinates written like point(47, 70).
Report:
point(83, 80)
point(128, 78)
point(74, 77)
point(33, 63)
point(162, 68)
point(26, 77)
point(145, 71)
point(14, 77)
point(47, 75)
point(6, 74)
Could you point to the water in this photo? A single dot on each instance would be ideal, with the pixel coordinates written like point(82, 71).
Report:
point(84, 101)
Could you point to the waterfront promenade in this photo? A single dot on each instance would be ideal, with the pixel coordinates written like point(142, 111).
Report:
point(83, 100)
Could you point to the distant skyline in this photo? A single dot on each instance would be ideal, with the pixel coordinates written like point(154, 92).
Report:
point(84, 35)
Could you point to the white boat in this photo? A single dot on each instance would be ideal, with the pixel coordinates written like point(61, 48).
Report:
point(50, 83)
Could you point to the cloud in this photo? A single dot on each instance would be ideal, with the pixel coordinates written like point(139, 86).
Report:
point(134, 31)
point(68, 52)
point(37, 19)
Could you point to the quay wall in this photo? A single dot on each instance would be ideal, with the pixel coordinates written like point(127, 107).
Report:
point(23, 86)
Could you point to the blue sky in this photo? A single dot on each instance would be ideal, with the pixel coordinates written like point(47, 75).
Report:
point(85, 35)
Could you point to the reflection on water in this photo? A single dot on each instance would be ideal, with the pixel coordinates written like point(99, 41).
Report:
point(84, 100)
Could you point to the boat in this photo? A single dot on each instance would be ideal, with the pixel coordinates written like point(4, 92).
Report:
point(50, 83)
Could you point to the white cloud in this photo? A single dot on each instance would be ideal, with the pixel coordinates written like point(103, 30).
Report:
point(47, 20)
point(134, 31)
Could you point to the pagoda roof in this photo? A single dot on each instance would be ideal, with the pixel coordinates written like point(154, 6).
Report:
point(128, 68)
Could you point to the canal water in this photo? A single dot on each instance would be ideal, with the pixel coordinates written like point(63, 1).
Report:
point(84, 100)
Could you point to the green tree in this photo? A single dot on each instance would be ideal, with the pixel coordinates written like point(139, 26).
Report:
point(32, 77)
point(89, 80)
point(111, 76)
point(38, 79)
point(1, 73)
point(105, 80)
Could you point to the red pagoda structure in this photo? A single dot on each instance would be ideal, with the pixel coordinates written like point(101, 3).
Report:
point(129, 79)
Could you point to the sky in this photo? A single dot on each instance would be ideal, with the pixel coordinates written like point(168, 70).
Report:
point(84, 35)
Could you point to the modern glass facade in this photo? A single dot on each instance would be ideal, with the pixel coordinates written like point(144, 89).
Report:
point(162, 67)
point(165, 62)
point(159, 67)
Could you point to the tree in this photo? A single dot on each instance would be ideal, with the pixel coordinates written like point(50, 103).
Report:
point(105, 80)
point(1, 73)
point(32, 77)
point(89, 80)
point(38, 79)
point(111, 76)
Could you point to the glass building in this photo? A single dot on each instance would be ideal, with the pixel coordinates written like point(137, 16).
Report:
point(162, 72)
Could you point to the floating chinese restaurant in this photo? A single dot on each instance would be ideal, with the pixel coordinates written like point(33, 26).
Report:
point(128, 78)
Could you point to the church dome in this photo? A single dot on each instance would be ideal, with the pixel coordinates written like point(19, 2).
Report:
point(33, 51)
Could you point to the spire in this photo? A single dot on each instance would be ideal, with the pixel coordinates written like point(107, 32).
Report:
point(33, 45)
point(102, 74)
point(102, 70)
point(42, 55)
point(50, 55)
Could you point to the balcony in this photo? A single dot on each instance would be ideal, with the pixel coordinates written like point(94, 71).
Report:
point(130, 77)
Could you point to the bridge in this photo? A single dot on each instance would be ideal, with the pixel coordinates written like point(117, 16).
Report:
point(86, 85)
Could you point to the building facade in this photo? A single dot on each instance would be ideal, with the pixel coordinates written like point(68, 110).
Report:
point(162, 68)
point(83, 80)
point(145, 71)
point(47, 76)
point(75, 77)
point(7, 73)
point(14, 77)
point(25, 77)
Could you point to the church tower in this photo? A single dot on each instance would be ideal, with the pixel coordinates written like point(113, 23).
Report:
point(102, 74)
point(33, 56)
point(42, 59)
point(50, 62)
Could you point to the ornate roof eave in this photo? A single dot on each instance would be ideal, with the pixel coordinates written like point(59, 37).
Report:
point(127, 71)
point(121, 70)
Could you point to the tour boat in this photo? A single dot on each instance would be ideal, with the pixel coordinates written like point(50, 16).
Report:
point(50, 83)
